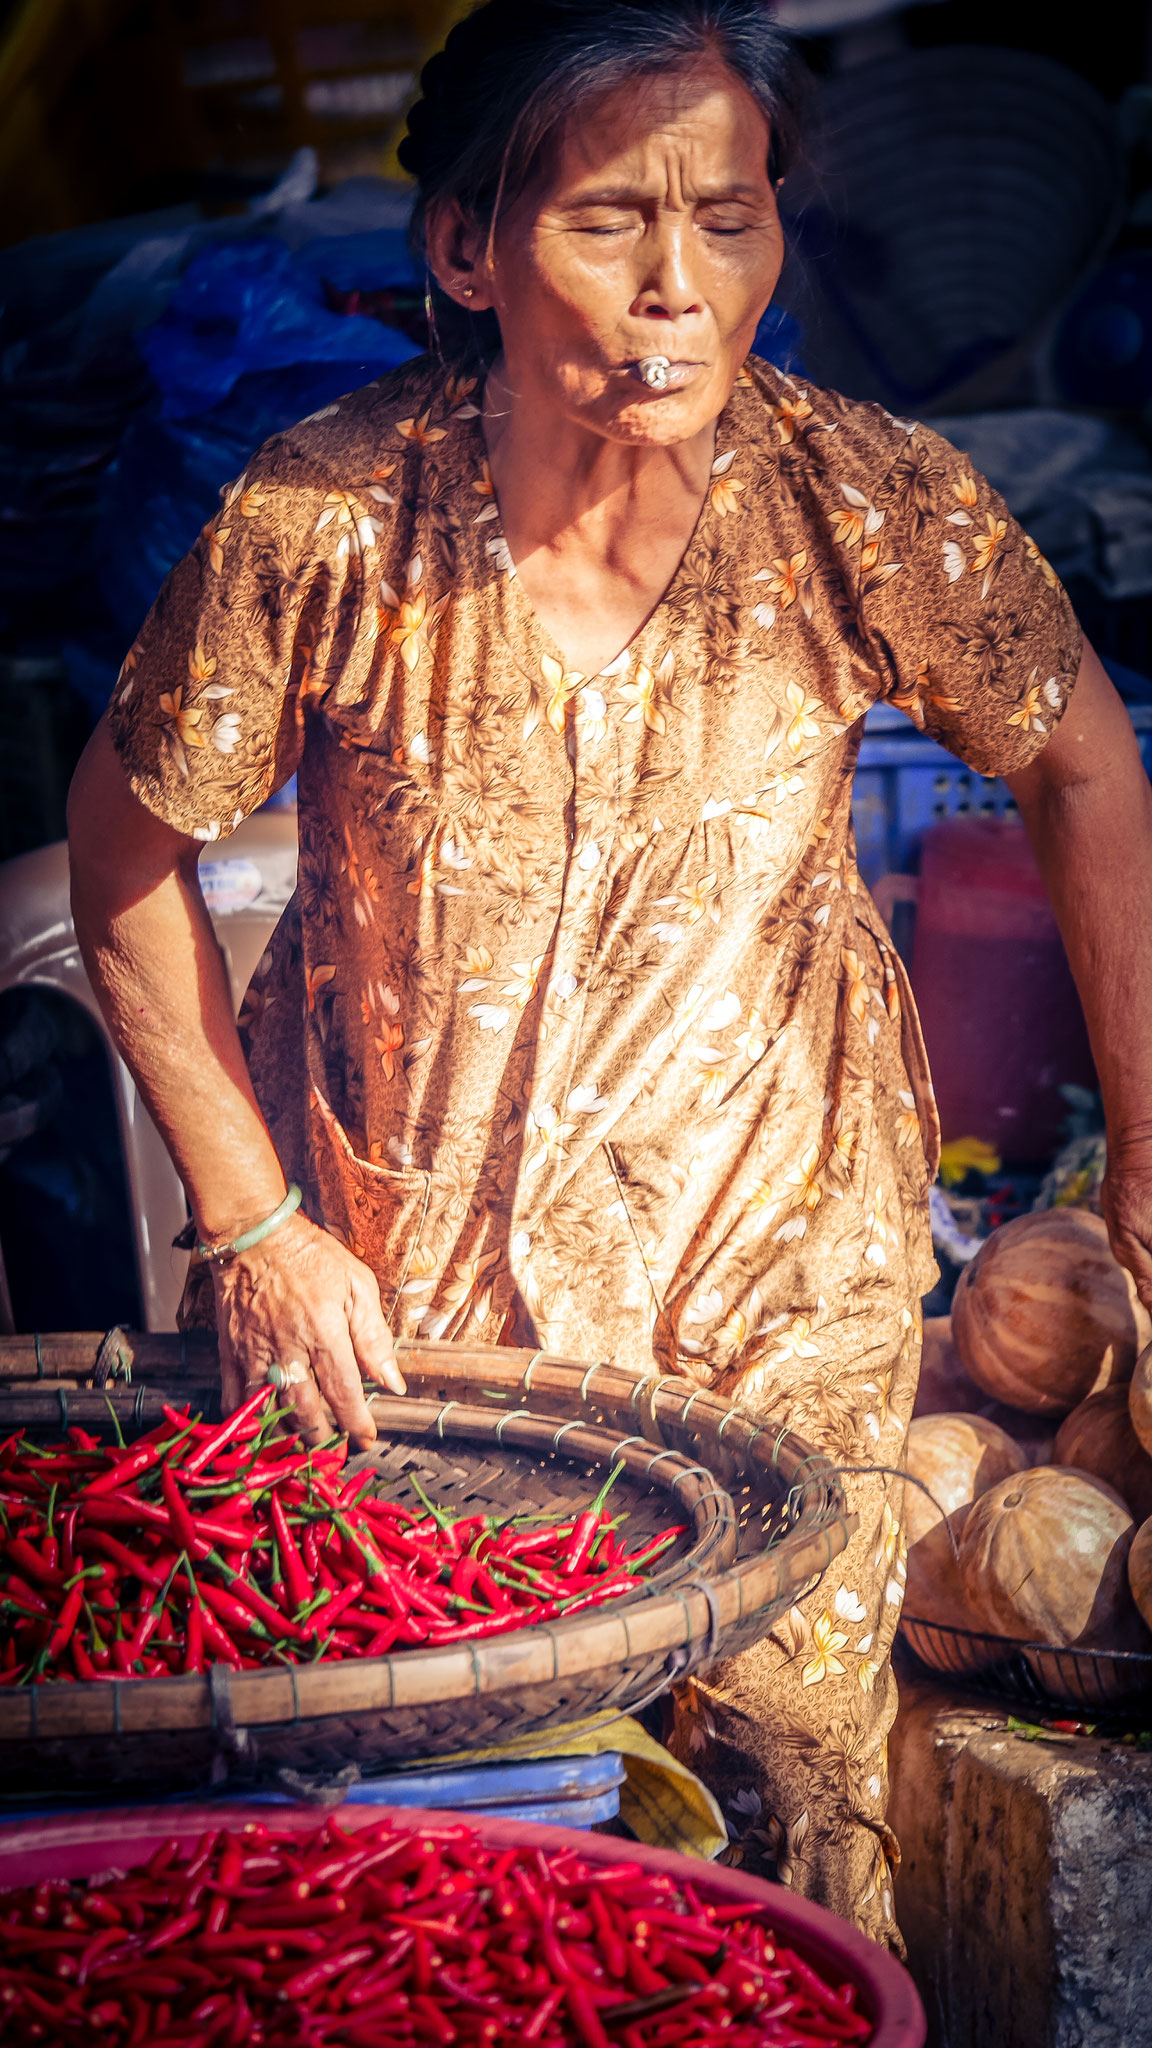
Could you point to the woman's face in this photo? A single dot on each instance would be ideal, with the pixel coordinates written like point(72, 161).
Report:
point(651, 230)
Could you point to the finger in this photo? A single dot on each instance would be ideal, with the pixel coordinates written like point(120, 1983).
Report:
point(1130, 1251)
point(338, 1376)
point(232, 1375)
point(371, 1337)
point(302, 1394)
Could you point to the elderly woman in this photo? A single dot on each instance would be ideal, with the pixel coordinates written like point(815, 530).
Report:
point(580, 1030)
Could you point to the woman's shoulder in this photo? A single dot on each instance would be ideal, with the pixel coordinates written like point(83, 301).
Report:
point(357, 441)
point(823, 437)
point(331, 484)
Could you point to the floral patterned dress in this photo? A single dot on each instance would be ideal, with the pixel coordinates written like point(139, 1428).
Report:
point(580, 1028)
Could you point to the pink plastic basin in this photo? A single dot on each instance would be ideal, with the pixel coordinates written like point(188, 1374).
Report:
point(84, 1845)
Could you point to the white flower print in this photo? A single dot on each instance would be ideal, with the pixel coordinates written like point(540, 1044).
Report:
point(706, 1307)
point(225, 733)
point(722, 1012)
point(586, 1100)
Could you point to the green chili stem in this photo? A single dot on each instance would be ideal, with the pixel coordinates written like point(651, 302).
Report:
point(442, 1519)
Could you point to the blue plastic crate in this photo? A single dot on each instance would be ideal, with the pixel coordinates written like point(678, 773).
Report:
point(905, 784)
point(567, 1791)
point(564, 1791)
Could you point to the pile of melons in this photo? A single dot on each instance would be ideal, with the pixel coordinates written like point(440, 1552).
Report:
point(1042, 1471)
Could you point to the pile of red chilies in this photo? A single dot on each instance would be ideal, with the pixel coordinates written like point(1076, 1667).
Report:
point(234, 1543)
point(389, 1935)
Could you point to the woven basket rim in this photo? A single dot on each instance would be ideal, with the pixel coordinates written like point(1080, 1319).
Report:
point(1002, 1645)
point(651, 1392)
point(687, 1622)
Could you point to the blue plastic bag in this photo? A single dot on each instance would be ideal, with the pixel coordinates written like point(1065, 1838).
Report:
point(249, 306)
point(245, 348)
point(168, 475)
point(778, 340)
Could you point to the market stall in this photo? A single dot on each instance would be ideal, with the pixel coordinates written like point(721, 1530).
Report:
point(197, 1606)
point(300, 1744)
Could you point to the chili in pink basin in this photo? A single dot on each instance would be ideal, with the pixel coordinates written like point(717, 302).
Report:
point(808, 1943)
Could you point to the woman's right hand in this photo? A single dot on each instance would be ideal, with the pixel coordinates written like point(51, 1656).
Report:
point(301, 1301)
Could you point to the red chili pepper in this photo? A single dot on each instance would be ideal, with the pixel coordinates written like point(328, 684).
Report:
point(239, 1619)
point(32, 1564)
point(150, 1572)
point(194, 1638)
point(69, 1615)
point(261, 1609)
point(148, 1452)
point(243, 1421)
point(580, 1542)
point(296, 1580)
point(611, 1589)
point(635, 1560)
point(328, 1613)
point(522, 1543)
point(310, 1550)
point(180, 1519)
point(150, 1617)
point(548, 2005)
point(24, 1595)
point(391, 1579)
point(305, 1982)
point(109, 1512)
point(85, 1668)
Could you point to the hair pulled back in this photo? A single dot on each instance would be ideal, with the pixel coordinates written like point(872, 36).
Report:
point(512, 72)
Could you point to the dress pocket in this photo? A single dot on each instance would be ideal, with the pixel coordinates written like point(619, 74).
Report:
point(913, 1052)
point(377, 1211)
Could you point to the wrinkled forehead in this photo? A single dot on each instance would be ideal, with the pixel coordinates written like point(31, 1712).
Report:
point(695, 125)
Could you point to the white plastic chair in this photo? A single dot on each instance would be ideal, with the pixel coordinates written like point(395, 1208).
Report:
point(248, 879)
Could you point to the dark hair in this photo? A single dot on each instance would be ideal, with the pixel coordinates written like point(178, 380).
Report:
point(513, 71)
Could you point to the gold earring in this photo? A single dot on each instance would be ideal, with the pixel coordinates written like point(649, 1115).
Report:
point(468, 291)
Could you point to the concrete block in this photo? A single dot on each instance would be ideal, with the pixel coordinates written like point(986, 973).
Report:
point(1025, 1894)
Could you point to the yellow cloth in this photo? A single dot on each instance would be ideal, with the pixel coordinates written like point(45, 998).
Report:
point(663, 1802)
point(959, 1155)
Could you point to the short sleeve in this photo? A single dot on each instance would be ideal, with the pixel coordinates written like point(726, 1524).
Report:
point(208, 711)
point(971, 628)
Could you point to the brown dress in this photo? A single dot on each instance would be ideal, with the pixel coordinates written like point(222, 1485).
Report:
point(580, 1028)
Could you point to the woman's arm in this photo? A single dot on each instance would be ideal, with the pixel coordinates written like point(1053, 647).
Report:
point(1087, 804)
point(298, 1297)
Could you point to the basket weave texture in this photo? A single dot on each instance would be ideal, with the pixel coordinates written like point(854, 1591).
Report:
point(1039, 1675)
point(495, 1430)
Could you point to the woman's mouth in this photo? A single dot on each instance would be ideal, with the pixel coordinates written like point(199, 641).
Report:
point(659, 374)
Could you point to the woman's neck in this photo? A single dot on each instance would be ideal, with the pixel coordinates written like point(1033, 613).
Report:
point(596, 527)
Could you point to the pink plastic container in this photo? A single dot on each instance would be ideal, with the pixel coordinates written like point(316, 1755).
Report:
point(1001, 1016)
point(84, 1845)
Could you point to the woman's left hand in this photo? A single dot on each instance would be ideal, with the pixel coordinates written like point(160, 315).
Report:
point(1126, 1199)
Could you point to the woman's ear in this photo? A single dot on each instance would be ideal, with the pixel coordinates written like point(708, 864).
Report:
point(458, 255)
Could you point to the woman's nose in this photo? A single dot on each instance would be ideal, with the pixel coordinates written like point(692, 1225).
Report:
point(667, 290)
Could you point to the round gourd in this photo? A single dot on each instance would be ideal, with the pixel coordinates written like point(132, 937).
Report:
point(1140, 1400)
point(1098, 1437)
point(945, 1386)
point(957, 1457)
point(1044, 1559)
point(1044, 1315)
point(1140, 1571)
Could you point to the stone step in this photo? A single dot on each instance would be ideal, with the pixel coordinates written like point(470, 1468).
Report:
point(1025, 1894)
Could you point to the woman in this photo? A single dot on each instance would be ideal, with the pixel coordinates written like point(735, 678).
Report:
point(580, 1030)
